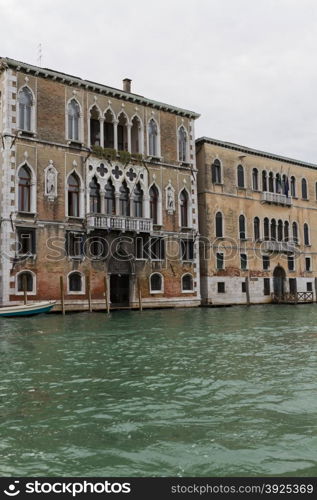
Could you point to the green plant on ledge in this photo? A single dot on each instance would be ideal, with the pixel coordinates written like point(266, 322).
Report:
point(137, 157)
point(105, 153)
point(124, 156)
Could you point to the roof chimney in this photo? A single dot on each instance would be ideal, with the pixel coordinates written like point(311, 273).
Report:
point(127, 85)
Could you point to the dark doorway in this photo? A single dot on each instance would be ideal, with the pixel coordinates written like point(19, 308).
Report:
point(292, 286)
point(120, 289)
point(279, 281)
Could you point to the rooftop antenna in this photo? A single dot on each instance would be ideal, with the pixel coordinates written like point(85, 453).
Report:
point(39, 54)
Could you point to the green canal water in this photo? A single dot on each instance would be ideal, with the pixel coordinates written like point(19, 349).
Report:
point(200, 392)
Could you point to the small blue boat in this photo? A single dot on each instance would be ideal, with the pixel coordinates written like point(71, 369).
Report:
point(27, 309)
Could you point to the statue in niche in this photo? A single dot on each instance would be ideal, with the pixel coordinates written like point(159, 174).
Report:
point(50, 181)
point(170, 198)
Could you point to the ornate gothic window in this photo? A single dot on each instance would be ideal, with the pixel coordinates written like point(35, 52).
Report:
point(216, 172)
point(182, 144)
point(184, 208)
point(73, 195)
point(94, 196)
point(124, 199)
point(24, 194)
point(138, 201)
point(152, 133)
point(154, 195)
point(110, 198)
point(25, 109)
point(73, 120)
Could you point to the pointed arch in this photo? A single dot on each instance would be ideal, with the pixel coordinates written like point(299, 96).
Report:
point(74, 194)
point(73, 120)
point(138, 201)
point(26, 188)
point(94, 196)
point(110, 200)
point(184, 201)
point(94, 125)
point(153, 135)
point(182, 144)
point(26, 109)
point(136, 134)
point(122, 131)
point(108, 128)
point(155, 196)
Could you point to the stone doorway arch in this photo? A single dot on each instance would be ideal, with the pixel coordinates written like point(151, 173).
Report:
point(279, 277)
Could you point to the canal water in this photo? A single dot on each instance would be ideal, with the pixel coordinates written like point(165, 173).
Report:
point(196, 392)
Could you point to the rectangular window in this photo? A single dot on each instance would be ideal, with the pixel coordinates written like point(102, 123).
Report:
point(292, 286)
point(243, 287)
point(291, 263)
point(221, 287)
point(141, 248)
point(307, 264)
point(266, 286)
point(75, 244)
point(220, 260)
point(266, 262)
point(187, 250)
point(309, 286)
point(26, 244)
point(243, 261)
point(157, 248)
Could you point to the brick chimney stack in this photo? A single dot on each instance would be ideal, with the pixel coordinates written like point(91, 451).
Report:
point(127, 85)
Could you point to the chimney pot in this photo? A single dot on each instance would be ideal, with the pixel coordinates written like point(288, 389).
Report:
point(127, 85)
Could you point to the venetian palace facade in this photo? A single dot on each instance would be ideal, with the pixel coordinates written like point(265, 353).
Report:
point(258, 220)
point(98, 187)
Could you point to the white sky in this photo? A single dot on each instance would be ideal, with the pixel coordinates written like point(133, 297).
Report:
point(249, 67)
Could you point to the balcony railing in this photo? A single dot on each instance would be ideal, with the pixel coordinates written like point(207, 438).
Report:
point(120, 223)
point(277, 198)
point(279, 246)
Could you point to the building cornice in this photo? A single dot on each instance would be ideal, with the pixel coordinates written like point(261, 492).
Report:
point(75, 81)
point(244, 149)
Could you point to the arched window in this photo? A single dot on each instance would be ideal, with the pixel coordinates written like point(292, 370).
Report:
point(255, 179)
point(108, 131)
point(219, 225)
point(295, 232)
point(242, 234)
point(73, 120)
point(256, 228)
point(266, 226)
point(138, 201)
point(94, 125)
point(94, 196)
point(306, 234)
point(124, 199)
point(24, 196)
point(278, 184)
point(110, 200)
point(75, 282)
point(286, 230)
point(73, 195)
point(183, 198)
point(271, 182)
point(187, 283)
point(216, 172)
point(122, 132)
point(280, 230)
point(304, 189)
point(25, 279)
point(264, 180)
point(152, 131)
point(154, 195)
point(240, 173)
point(25, 109)
point(156, 283)
point(182, 144)
point(293, 186)
point(136, 135)
point(273, 229)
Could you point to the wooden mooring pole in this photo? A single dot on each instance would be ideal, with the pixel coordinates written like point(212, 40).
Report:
point(140, 295)
point(89, 292)
point(106, 295)
point(247, 290)
point(25, 289)
point(61, 283)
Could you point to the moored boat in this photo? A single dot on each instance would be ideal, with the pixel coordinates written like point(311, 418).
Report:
point(27, 309)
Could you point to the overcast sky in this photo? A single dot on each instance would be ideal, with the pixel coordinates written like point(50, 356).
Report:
point(249, 67)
